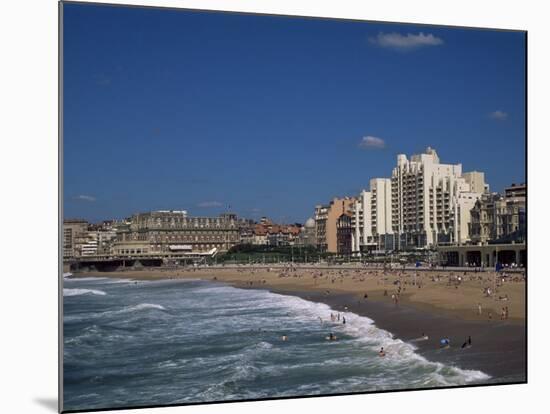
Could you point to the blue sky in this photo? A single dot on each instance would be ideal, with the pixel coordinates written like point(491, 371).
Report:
point(171, 109)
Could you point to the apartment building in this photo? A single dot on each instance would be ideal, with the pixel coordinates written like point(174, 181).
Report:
point(431, 200)
point(326, 217)
point(497, 218)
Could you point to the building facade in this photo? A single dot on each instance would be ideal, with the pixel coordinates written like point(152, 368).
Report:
point(307, 236)
point(75, 234)
point(430, 201)
point(381, 208)
point(173, 232)
point(268, 233)
point(499, 219)
point(326, 217)
point(361, 222)
point(372, 218)
point(343, 235)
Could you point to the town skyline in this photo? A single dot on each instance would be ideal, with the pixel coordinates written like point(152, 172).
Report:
point(258, 217)
point(279, 121)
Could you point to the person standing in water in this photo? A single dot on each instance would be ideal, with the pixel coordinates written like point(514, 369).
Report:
point(343, 320)
point(468, 342)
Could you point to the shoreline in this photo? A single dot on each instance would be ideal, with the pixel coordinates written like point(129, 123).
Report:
point(489, 346)
point(498, 346)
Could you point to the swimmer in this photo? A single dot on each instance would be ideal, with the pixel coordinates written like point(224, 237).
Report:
point(284, 337)
point(381, 352)
point(331, 337)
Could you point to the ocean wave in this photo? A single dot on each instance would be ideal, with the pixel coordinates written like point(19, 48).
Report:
point(224, 343)
point(135, 308)
point(400, 353)
point(82, 279)
point(369, 336)
point(449, 375)
point(113, 281)
point(78, 292)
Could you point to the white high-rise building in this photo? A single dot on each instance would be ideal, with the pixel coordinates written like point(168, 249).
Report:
point(476, 180)
point(361, 223)
point(371, 217)
point(380, 189)
point(431, 201)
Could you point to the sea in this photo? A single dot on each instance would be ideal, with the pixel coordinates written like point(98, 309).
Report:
point(146, 343)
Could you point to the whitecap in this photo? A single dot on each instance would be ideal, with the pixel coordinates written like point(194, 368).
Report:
point(81, 279)
point(368, 335)
point(134, 308)
point(78, 292)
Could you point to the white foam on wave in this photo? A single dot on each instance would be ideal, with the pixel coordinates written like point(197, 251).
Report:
point(398, 351)
point(135, 308)
point(113, 281)
point(82, 279)
point(78, 292)
point(367, 334)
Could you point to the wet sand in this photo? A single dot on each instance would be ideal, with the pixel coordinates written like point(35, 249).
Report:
point(439, 308)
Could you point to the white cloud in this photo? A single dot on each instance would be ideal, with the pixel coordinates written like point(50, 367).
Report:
point(84, 197)
point(409, 41)
point(208, 204)
point(369, 142)
point(498, 115)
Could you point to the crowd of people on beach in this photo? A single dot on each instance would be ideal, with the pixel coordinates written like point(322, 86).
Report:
point(391, 283)
point(397, 282)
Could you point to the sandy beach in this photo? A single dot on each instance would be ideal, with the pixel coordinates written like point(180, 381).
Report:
point(406, 303)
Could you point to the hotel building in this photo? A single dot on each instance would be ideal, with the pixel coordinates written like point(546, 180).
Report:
point(371, 218)
point(431, 202)
point(173, 232)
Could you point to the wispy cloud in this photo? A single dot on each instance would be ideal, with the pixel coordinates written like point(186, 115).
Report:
point(498, 115)
point(370, 142)
point(84, 197)
point(209, 204)
point(410, 41)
